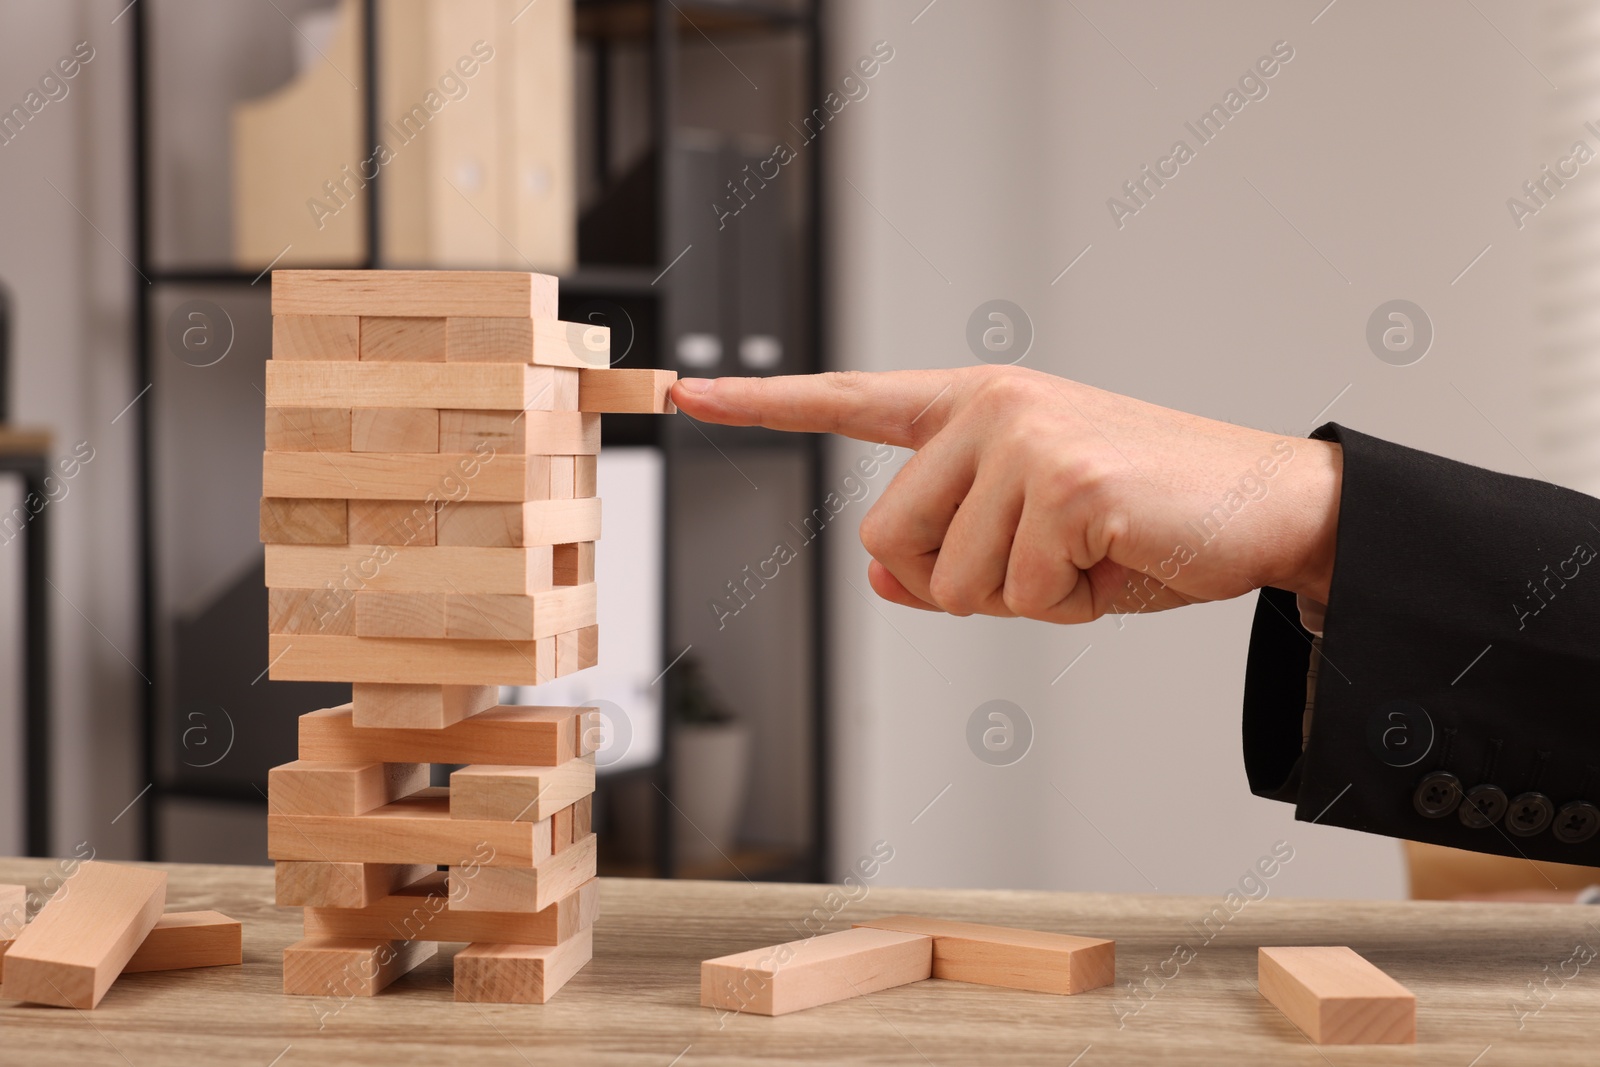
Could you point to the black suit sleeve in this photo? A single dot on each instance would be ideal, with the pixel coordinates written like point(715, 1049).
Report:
point(1456, 698)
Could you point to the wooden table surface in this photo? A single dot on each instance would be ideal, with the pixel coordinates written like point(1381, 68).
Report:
point(638, 1002)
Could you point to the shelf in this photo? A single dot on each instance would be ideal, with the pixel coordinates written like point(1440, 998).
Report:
point(624, 19)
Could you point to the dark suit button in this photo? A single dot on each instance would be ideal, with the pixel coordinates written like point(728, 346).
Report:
point(1437, 795)
point(1484, 805)
point(1529, 814)
point(1576, 822)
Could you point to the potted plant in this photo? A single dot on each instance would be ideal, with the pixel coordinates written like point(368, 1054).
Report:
point(710, 769)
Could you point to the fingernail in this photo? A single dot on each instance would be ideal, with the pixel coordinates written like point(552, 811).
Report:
point(696, 385)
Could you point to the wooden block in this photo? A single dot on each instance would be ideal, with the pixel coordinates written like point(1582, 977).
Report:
point(546, 433)
point(309, 787)
point(414, 829)
point(525, 889)
point(519, 974)
point(534, 522)
point(1017, 959)
point(507, 734)
point(392, 522)
point(563, 389)
point(402, 340)
point(349, 967)
point(309, 611)
point(561, 830)
point(813, 971)
point(645, 392)
point(488, 616)
point(425, 910)
point(418, 707)
point(411, 569)
point(308, 429)
point(420, 293)
point(422, 477)
point(83, 937)
point(288, 521)
point(577, 650)
point(1335, 997)
point(583, 818)
point(572, 564)
point(324, 884)
point(548, 342)
point(394, 430)
point(585, 475)
point(491, 386)
point(409, 660)
point(400, 615)
point(182, 940)
point(563, 477)
point(316, 336)
point(505, 793)
point(591, 731)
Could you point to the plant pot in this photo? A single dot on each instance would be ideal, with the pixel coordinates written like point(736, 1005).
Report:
point(710, 770)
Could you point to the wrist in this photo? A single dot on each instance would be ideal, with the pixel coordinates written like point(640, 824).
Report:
point(1312, 523)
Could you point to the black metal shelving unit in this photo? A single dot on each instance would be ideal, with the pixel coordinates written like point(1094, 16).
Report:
point(664, 23)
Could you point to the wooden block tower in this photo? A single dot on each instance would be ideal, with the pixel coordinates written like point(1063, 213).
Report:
point(429, 514)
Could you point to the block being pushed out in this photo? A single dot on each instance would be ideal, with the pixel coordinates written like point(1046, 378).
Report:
point(519, 974)
point(84, 936)
point(816, 970)
point(1336, 997)
point(1004, 956)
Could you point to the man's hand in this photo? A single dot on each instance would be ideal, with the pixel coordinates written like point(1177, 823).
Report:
point(1036, 496)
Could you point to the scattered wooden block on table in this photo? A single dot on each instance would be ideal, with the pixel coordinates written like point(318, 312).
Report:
point(411, 568)
point(309, 611)
point(288, 521)
point(1336, 997)
point(402, 340)
point(1016, 959)
point(349, 967)
point(180, 941)
point(418, 707)
point(644, 392)
point(316, 336)
point(421, 477)
point(519, 974)
point(13, 910)
point(477, 386)
point(332, 884)
point(548, 342)
point(509, 734)
point(84, 936)
point(816, 970)
point(308, 787)
point(508, 793)
point(505, 889)
point(416, 293)
point(409, 660)
point(392, 522)
point(308, 429)
point(534, 522)
point(394, 430)
point(184, 940)
point(413, 829)
point(426, 910)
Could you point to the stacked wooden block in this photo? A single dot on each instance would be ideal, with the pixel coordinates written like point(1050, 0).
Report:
point(430, 520)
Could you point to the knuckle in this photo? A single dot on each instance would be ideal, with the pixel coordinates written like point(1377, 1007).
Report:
point(951, 594)
point(877, 535)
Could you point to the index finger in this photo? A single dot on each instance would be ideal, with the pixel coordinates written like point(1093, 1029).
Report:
point(902, 407)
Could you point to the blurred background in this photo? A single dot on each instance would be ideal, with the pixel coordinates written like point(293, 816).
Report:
point(761, 187)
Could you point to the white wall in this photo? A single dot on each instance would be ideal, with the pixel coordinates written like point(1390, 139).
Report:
point(73, 374)
point(990, 144)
